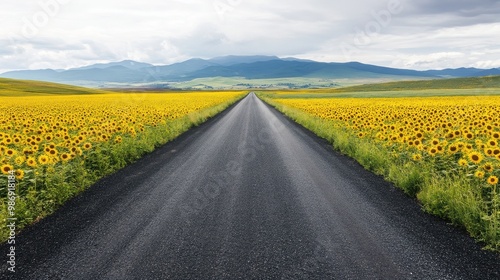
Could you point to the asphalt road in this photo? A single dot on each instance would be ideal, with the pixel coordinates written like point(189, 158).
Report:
point(247, 195)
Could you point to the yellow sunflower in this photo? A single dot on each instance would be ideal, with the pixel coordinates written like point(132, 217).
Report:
point(475, 157)
point(452, 149)
point(492, 143)
point(10, 152)
point(43, 159)
point(493, 180)
point(19, 160)
point(65, 157)
point(19, 174)
point(463, 162)
point(488, 167)
point(6, 168)
point(31, 162)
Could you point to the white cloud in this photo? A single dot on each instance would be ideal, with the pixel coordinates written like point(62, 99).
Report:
point(430, 61)
point(423, 35)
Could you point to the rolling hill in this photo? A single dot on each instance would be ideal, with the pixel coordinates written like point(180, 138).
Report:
point(488, 82)
point(10, 87)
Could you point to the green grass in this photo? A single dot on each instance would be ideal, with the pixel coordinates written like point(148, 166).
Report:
point(384, 94)
point(11, 87)
point(458, 83)
point(427, 88)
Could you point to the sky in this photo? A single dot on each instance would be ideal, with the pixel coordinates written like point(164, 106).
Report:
point(422, 34)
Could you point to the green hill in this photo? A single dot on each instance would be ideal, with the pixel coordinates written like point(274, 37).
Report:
point(459, 83)
point(476, 86)
point(11, 87)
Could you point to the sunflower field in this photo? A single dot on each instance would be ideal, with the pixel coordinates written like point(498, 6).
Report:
point(444, 150)
point(59, 145)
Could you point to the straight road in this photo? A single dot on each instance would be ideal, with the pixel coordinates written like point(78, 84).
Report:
point(247, 195)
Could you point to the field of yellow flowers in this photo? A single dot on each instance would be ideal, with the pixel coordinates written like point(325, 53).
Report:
point(444, 150)
point(59, 145)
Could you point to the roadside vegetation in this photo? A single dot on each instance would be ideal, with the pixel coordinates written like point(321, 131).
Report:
point(59, 146)
point(444, 150)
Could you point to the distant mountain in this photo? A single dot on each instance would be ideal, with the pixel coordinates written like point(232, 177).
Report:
point(296, 59)
point(250, 67)
point(42, 75)
point(181, 68)
point(233, 59)
point(488, 72)
point(117, 74)
point(130, 64)
point(459, 72)
point(290, 68)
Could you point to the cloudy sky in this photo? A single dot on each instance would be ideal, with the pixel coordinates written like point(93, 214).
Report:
point(419, 34)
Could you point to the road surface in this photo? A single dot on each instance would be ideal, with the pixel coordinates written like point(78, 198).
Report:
point(247, 195)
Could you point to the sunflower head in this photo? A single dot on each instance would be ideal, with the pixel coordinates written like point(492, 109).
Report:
point(43, 159)
point(65, 157)
point(19, 160)
point(10, 152)
point(493, 180)
point(19, 174)
point(31, 162)
point(479, 174)
point(463, 162)
point(417, 157)
point(453, 149)
point(6, 168)
point(475, 157)
point(488, 152)
point(27, 151)
point(488, 167)
point(492, 143)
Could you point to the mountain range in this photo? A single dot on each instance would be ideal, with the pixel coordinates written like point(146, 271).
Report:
point(248, 67)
